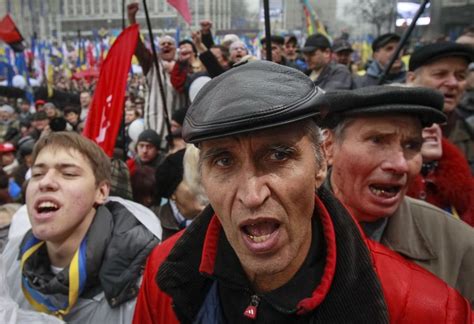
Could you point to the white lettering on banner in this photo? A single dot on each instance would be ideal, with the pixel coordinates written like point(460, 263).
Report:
point(104, 121)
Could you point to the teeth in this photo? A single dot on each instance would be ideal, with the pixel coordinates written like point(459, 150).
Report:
point(47, 204)
point(259, 239)
point(378, 192)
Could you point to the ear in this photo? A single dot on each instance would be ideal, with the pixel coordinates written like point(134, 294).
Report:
point(102, 193)
point(321, 174)
point(411, 76)
point(328, 146)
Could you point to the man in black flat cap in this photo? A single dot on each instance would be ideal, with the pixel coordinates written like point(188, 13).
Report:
point(273, 246)
point(373, 141)
point(444, 67)
point(325, 73)
point(383, 48)
point(342, 50)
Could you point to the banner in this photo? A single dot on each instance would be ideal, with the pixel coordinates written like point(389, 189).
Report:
point(106, 111)
point(313, 23)
point(10, 34)
point(182, 7)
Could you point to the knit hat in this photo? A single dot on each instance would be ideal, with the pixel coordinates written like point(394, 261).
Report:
point(150, 136)
point(169, 174)
point(7, 109)
point(7, 147)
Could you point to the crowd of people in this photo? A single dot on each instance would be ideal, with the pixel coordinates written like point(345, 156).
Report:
point(278, 192)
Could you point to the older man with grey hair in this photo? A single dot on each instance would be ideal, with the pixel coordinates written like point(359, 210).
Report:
point(273, 246)
point(373, 147)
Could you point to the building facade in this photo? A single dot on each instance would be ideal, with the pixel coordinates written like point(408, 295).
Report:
point(63, 19)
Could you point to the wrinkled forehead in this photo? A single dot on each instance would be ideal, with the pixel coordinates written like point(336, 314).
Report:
point(290, 133)
point(407, 124)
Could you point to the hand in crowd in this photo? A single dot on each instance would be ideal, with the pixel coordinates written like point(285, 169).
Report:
point(132, 9)
point(197, 39)
point(206, 26)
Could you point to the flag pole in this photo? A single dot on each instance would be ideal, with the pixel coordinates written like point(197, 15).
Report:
point(160, 81)
point(123, 14)
point(268, 41)
point(403, 41)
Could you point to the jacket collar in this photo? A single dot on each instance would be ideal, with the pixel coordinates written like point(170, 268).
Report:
point(404, 235)
point(113, 229)
point(400, 226)
point(306, 305)
point(350, 280)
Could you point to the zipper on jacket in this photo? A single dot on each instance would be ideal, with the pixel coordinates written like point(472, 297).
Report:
point(251, 310)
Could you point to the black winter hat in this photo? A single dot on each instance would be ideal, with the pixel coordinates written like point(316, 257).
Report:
point(252, 96)
point(169, 174)
point(150, 136)
point(314, 42)
point(58, 124)
point(178, 115)
point(26, 145)
point(383, 40)
point(431, 52)
point(39, 115)
point(341, 45)
point(424, 103)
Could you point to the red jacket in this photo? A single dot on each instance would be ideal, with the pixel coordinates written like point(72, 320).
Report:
point(450, 184)
point(412, 294)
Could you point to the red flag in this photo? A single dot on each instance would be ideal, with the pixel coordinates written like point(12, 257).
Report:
point(105, 114)
point(10, 34)
point(183, 9)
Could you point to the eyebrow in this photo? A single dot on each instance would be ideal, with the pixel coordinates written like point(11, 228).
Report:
point(212, 152)
point(56, 166)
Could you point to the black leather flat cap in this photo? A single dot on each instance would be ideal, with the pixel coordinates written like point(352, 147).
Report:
point(423, 103)
point(432, 52)
point(249, 97)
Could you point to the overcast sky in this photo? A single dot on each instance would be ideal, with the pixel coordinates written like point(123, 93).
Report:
point(252, 4)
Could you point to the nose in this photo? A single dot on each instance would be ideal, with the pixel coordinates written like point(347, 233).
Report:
point(48, 182)
point(396, 163)
point(253, 191)
point(452, 81)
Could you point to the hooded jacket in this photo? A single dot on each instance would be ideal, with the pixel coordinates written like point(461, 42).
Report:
point(373, 74)
point(362, 281)
point(117, 247)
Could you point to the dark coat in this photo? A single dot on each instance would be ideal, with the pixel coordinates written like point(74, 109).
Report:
point(168, 222)
point(373, 74)
point(334, 77)
point(178, 284)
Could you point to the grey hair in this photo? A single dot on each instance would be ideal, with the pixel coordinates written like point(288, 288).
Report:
point(192, 173)
point(339, 130)
point(316, 136)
